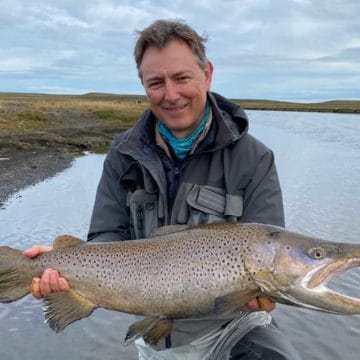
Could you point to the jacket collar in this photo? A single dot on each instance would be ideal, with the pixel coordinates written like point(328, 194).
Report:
point(231, 122)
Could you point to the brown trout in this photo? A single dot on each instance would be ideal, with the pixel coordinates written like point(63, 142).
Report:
point(184, 272)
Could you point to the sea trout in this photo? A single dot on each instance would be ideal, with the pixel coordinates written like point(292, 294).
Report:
point(184, 272)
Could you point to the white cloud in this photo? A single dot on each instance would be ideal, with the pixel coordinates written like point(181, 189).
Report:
point(269, 47)
point(16, 65)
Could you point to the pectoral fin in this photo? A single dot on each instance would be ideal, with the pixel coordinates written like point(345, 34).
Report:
point(232, 301)
point(65, 307)
point(151, 329)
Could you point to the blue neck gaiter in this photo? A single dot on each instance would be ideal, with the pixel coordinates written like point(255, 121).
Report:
point(181, 147)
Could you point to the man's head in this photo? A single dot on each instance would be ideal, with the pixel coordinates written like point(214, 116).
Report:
point(175, 73)
point(161, 32)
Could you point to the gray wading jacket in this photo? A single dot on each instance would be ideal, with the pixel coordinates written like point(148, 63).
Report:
point(234, 179)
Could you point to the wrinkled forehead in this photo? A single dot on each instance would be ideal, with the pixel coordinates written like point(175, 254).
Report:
point(175, 54)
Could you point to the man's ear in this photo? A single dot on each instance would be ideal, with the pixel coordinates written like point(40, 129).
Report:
point(208, 74)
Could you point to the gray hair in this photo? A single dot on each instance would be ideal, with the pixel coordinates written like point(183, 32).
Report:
point(161, 32)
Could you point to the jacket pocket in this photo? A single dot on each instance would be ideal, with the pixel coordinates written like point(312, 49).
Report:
point(143, 208)
point(209, 204)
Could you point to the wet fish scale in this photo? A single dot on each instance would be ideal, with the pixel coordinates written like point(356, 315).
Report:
point(181, 267)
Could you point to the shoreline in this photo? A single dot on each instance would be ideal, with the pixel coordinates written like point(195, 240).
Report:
point(29, 158)
point(21, 169)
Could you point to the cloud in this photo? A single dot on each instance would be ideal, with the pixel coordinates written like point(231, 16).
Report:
point(260, 48)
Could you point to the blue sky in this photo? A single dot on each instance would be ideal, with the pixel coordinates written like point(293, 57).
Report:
point(271, 49)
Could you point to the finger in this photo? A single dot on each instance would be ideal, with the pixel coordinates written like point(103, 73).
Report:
point(266, 304)
point(63, 284)
point(250, 305)
point(54, 280)
point(45, 283)
point(36, 250)
point(35, 288)
point(243, 308)
point(253, 304)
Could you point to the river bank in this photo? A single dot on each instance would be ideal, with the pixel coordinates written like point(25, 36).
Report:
point(28, 158)
point(40, 135)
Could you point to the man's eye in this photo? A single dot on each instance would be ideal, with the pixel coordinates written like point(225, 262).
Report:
point(154, 84)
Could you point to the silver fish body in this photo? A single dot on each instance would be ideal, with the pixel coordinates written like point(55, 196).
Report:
point(184, 272)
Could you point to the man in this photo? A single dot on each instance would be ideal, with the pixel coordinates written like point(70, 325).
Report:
point(188, 160)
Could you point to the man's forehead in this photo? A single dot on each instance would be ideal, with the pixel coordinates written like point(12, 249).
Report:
point(160, 61)
point(174, 50)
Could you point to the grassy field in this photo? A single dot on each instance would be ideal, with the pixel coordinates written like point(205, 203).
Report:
point(335, 106)
point(77, 123)
point(37, 112)
point(90, 121)
point(32, 112)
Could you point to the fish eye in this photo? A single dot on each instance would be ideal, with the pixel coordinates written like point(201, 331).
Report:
point(317, 253)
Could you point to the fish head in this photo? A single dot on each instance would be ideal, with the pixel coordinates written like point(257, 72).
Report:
point(302, 266)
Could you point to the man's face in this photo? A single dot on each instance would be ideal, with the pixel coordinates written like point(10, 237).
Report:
point(176, 86)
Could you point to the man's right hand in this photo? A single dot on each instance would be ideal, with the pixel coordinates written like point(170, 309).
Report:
point(50, 280)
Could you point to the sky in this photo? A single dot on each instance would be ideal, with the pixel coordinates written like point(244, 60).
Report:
point(292, 50)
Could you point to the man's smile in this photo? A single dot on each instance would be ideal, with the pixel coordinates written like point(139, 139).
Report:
point(174, 108)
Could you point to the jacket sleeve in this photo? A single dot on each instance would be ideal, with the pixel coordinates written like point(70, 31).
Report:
point(262, 197)
point(110, 216)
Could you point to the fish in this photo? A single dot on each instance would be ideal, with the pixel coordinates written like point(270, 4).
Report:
point(184, 272)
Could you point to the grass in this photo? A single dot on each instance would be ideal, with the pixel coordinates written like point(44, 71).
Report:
point(335, 106)
point(90, 121)
point(29, 112)
point(77, 123)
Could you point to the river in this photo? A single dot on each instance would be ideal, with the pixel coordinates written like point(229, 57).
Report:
point(318, 160)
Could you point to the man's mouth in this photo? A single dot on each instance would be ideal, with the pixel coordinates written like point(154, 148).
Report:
point(174, 108)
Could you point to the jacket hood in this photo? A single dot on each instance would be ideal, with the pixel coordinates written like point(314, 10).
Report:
point(232, 122)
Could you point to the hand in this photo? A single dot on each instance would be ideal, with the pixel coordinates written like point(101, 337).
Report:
point(50, 281)
point(259, 303)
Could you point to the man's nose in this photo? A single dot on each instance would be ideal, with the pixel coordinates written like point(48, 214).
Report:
point(171, 92)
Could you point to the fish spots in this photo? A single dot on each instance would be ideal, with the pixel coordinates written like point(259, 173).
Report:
point(274, 234)
point(172, 267)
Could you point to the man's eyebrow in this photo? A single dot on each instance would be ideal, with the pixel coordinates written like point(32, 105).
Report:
point(160, 77)
point(153, 78)
point(182, 72)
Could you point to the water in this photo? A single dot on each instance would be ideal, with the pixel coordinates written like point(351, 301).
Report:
point(37, 215)
point(318, 161)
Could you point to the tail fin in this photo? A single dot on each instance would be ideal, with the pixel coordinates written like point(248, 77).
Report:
point(16, 274)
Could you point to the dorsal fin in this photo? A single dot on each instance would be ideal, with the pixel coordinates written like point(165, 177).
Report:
point(169, 229)
point(64, 241)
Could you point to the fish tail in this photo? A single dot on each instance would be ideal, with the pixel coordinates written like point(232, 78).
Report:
point(16, 273)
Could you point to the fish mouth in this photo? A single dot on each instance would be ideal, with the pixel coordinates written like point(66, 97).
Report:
point(312, 292)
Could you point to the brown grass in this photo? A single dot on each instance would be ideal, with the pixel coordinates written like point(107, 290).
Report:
point(26, 113)
point(29, 112)
point(335, 106)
